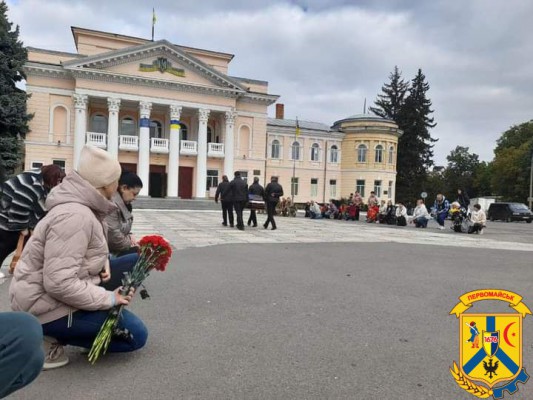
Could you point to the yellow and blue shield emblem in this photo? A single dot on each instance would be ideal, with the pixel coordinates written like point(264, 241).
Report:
point(490, 346)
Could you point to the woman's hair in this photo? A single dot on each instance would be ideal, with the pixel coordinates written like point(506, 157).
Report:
point(130, 179)
point(52, 175)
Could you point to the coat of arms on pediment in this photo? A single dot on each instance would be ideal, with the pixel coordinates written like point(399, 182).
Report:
point(162, 64)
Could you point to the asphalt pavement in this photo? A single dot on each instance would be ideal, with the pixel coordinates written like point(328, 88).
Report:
point(358, 320)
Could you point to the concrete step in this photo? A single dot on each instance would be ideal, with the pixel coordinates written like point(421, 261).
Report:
point(174, 204)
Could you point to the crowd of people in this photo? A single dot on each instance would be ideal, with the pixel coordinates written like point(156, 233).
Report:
point(385, 212)
point(236, 195)
point(78, 245)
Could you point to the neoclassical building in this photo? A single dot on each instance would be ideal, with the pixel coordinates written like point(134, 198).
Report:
point(175, 116)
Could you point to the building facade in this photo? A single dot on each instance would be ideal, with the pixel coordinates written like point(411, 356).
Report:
point(175, 116)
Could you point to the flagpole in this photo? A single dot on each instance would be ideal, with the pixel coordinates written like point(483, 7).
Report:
point(294, 162)
point(153, 23)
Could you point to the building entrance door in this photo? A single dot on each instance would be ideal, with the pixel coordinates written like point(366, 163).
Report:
point(158, 181)
point(185, 183)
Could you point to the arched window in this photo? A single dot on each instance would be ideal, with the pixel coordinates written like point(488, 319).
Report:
point(99, 123)
point(156, 129)
point(361, 153)
point(127, 127)
point(379, 154)
point(60, 123)
point(315, 150)
point(391, 155)
point(275, 150)
point(295, 151)
point(184, 131)
point(334, 154)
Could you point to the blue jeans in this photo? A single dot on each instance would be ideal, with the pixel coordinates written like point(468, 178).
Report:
point(441, 218)
point(86, 325)
point(118, 266)
point(421, 222)
point(21, 351)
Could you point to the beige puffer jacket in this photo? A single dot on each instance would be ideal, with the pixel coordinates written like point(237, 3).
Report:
point(58, 271)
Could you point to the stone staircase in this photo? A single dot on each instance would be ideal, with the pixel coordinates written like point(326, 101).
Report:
point(174, 204)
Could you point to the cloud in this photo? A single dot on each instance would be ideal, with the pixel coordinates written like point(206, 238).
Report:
point(325, 56)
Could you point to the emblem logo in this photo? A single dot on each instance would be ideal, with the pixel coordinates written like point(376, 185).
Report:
point(490, 346)
point(162, 65)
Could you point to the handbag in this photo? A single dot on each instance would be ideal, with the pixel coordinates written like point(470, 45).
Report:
point(18, 252)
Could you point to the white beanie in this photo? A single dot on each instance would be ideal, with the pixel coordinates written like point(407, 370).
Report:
point(98, 167)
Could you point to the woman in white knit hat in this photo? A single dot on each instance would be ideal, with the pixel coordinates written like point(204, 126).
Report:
point(59, 274)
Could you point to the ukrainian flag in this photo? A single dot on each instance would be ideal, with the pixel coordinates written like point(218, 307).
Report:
point(297, 127)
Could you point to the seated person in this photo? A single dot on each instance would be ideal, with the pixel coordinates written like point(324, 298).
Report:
point(478, 219)
point(382, 215)
point(315, 211)
point(332, 210)
point(421, 215)
point(307, 210)
point(401, 214)
point(352, 212)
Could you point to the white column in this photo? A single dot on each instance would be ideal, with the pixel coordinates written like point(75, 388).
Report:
point(113, 106)
point(201, 161)
point(174, 151)
point(80, 125)
point(229, 143)
point(143, 167)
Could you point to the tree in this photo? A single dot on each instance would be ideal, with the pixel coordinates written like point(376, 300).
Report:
point(14, 118)
point(460, 172)
point(512, 163)
point(415, 154)
point(390, 103)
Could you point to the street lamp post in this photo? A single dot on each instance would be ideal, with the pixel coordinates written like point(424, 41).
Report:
point(530, 199)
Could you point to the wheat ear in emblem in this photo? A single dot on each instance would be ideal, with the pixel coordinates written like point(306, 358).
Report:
point(466, 384)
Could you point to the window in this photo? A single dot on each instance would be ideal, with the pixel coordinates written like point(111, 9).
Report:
point(99, 123)
point(244, 176)
point(209, 135)
point(36, 166)
point(314, 187)
point(379, 154)
point(360, 187)
point(333, 188)
point(60, 163)
point(184, 132)
point(275, 149)
point(257, 172)
point(294, 186)
point(295, 151)
point(390, 190)
point(361, 153)
point(127, 127)
point(212, 179)
point(377, 188)
point(156, 129)
point(334, 154)
point(391, 155)
point(315, 150)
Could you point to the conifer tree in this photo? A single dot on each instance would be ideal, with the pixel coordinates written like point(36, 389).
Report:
point(391, 101)
point(13, 113)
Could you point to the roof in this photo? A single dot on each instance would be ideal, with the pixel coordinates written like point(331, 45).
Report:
point(309, 125)
point(364, 117)
point(75, 30)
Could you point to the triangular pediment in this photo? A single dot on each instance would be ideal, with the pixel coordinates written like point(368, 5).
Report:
point(157, 61)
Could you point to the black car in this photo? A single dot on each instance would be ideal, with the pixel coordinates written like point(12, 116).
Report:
point(510, 212)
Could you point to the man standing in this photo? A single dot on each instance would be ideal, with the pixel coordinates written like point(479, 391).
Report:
point(256, 192)
point(273, 192)
point(239, 194)
point(224, 193)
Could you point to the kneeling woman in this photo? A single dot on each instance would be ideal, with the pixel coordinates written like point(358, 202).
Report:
point(61, 269)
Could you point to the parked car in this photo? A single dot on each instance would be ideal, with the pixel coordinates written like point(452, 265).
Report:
point(509, 212)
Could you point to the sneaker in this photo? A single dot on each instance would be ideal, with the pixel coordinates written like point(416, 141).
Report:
point(54, 354)
point(441, 227)
point(480, 231)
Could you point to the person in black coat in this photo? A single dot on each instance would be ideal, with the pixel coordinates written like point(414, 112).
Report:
point(224, 193)
point(239, 194)
point(463, 199)
point(255, 191)
point(273, 192)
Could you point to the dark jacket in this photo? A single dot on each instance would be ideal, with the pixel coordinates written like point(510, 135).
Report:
point(257, 190)
point(239, 190)
point(273, 192)
point(22, 202)
point(463, 200)
point(224, 192)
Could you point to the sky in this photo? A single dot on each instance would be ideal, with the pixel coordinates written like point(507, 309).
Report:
point(324, 57)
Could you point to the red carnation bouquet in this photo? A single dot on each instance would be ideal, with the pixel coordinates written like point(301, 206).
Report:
point(154, 253)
